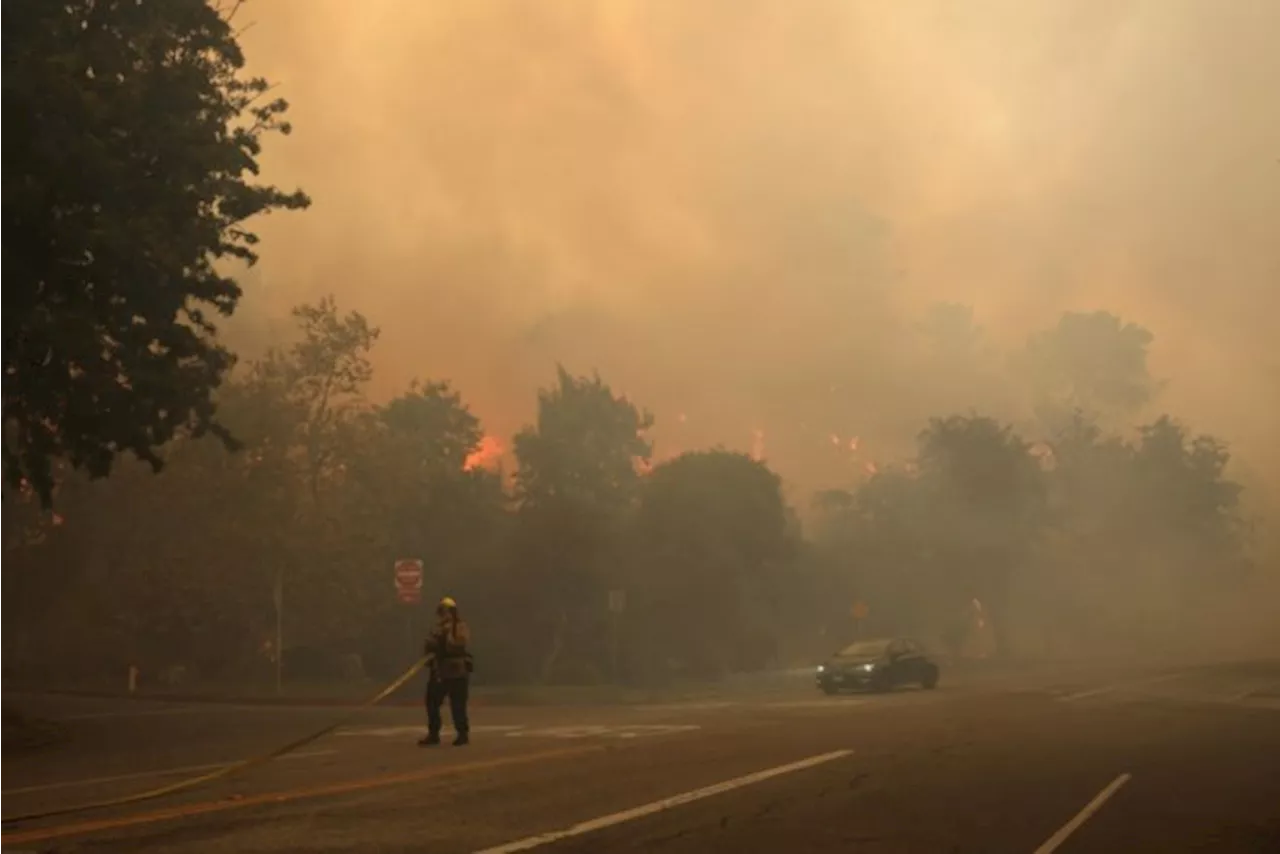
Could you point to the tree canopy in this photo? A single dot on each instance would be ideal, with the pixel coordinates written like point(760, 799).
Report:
point(712, 545)
point(584, 447)
point(1093, 362)
point(131, 145)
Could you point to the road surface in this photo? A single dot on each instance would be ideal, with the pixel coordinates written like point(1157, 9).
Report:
point(1153, 759)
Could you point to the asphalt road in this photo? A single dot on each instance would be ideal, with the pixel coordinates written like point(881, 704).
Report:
point(1116, 760)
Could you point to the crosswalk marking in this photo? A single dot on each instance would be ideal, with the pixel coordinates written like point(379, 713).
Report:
point(601, 731)
point(522, 731)
point(406, 731)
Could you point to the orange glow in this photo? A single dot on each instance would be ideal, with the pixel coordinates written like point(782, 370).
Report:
point(487, 455)
point(757, 444)
point(835, 440)
point(853, 443)
point(870, 468)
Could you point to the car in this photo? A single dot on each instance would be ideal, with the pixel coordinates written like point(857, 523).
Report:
point(877, 665)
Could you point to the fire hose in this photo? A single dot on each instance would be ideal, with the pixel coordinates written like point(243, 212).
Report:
point(233, 768)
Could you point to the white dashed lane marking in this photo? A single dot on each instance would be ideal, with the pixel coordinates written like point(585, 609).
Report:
point(672, 802)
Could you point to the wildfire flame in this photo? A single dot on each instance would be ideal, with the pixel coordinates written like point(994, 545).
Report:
point(837, 442)
point(487, 455)
point(757, 445)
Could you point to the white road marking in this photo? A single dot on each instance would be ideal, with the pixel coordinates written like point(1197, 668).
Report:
point(135, 713)
point(419, 729)
point(828, 703)
point(688, 707)
point(598, 731)
point(1268, 703)
point(664, 804)
point(1053, 842)
point(1262, 688)
point(139, 775)
point(1119, 686)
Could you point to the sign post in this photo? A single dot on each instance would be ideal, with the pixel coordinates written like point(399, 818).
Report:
point(408, 576)
point(617, 604)
point(860, 611)
point(278, 596)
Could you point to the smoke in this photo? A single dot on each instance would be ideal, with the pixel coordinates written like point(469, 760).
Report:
point(737, 210)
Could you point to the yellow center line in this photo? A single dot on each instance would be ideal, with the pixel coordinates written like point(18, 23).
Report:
point(345, 787)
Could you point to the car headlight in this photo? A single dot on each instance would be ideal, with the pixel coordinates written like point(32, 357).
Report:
point(867, 668)
point(822, 668)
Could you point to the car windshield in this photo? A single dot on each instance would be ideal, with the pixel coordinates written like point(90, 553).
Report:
point(864, 649)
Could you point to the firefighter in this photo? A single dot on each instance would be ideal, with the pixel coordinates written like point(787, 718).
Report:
point(449, 673)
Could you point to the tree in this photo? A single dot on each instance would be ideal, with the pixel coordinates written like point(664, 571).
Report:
point(951, 334)
point(167, 569)
point(1147, 537)
point(984, 467)
point(434, 425)
point(1094, 363)
point(131, 149)
point(403, 490)
point(576, 480)
point(989, 499)
point(920, 542)
point(584, 448)
point(712, 539)
point(323, 376)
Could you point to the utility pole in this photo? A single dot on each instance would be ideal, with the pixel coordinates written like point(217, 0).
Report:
point(617, 604)
point(279, 599)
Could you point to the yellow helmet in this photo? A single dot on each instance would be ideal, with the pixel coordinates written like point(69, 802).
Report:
point(448, 602)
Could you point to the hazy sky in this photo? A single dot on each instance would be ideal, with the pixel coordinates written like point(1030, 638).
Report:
point(735, 209)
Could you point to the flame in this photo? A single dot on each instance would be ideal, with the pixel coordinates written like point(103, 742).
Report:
point(487, 455)
point(1043, 453)
point(757, 444)
point(837, 442)
point(641, 465)
point(871, 469)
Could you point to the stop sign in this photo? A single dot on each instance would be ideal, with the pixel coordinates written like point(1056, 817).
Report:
point(408, 574)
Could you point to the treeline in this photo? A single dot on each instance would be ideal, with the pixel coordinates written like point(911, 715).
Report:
point(588, 562)
point(328, 489)
point(1085, 544)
